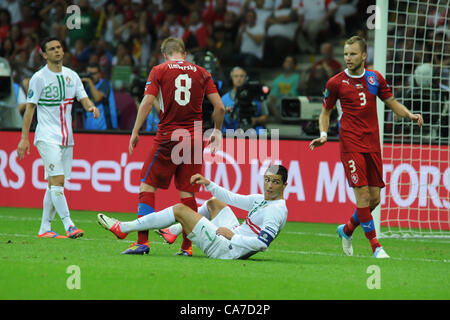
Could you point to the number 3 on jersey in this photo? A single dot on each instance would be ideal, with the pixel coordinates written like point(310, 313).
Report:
point(182, 94)
point(351, 164)
point(362, 97)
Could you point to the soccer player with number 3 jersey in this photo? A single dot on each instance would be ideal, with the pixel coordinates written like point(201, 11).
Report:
point(53, 90)
point(180, 87)
point(354, 92)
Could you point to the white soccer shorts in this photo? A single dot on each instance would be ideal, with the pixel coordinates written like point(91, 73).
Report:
point(57, 159)
point(204, 235)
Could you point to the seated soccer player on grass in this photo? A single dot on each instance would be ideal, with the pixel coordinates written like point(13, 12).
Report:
point(215, 229)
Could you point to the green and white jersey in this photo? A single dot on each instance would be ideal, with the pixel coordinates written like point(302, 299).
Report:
point(263, 223)
point(54, 93)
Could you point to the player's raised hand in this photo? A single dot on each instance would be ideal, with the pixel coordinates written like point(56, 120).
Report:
point(133, 142)
point(417, 118)
point(95, 111)
point(199, 179)
point(215, 141)
point(317, 142)
point(24, 145)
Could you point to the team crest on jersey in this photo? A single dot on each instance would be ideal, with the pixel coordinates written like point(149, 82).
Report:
point(371, 80)
point(355, 178)
point(359, 86)
point(30, 93)
point(69, 83)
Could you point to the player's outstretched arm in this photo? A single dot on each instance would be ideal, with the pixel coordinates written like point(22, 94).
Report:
point(89, 106)
point(144, 109)
point(24, 144)
point(324, 124)
point(215, 140)
point(219, 109)
point(400, 110)
point(229, 197)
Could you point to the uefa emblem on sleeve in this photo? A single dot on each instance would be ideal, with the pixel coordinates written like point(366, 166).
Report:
point(354, 178)
point(371, 80)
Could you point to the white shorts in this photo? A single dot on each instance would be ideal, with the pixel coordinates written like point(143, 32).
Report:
point(215, 246)
point(57, 159)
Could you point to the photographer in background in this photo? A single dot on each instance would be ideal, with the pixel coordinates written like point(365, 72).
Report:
point(137, 91)
point(243, 114)
point(101, 92)
point(208, 60)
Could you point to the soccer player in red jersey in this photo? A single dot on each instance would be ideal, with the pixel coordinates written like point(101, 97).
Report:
point(354, 92)
point(180, 87)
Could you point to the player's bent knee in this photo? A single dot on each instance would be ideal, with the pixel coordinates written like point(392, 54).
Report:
point(214, 205)
point(180, 210)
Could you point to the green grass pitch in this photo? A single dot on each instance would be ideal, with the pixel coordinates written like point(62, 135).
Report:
point(304, 262)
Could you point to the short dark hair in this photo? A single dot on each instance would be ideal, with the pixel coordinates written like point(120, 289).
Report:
point(278, 169)
point(47, 40)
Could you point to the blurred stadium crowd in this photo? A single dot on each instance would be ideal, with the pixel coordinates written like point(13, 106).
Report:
point(293, 46)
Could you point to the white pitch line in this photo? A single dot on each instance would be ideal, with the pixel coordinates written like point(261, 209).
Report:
point(334, 235)
point(360, 256)
point(311, 234)
point(318, 253)
point(81, 239)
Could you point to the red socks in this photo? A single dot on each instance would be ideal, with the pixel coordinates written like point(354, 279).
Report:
point(366, 221)
point(351, 224)
point(146, 206)
point(191, 203)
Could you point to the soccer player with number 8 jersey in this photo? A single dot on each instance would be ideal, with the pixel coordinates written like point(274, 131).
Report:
point(354, 92)
point(180, 87)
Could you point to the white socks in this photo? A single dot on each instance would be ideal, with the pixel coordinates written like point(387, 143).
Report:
point(48, 213)
point(156, 220)
point(176, 228)
point(203, 210)
point(60, 204)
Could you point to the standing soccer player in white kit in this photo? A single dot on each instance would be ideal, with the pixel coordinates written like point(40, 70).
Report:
point(53, 89)
point(215, 229)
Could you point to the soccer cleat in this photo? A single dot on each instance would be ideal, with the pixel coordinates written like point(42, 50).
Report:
point(51, 234)
point(184, 253)
point(138, 248)
point(73, 232)
point(167, 235)
point(346, 240)
point(380, 253)
point(111, 224)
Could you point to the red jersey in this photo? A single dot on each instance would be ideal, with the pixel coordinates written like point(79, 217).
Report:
point(181, 86)
point(356, 100)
